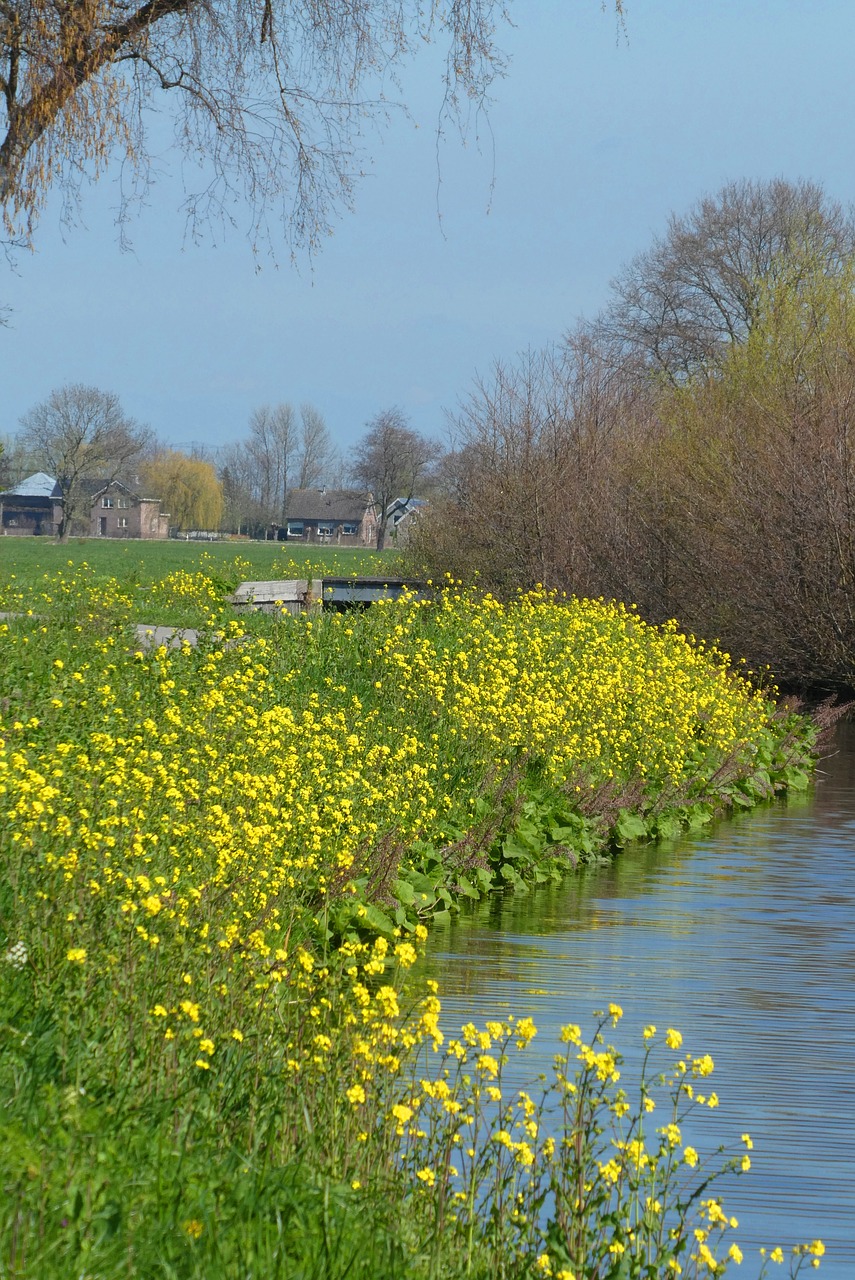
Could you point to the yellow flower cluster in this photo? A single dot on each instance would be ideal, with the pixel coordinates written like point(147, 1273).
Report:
point(205, 847)
point(584, 683)
point(482, 1152)
point(201, 798)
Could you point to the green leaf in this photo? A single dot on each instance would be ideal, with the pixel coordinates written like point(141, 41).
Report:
point(404, 892)
point(465, 887)
point(630, 827)
point(377, 919)
point(797, 779)
point(668, 826)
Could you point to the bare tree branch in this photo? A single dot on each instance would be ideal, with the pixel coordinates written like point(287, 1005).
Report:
point(391, 461)
point(269, 95)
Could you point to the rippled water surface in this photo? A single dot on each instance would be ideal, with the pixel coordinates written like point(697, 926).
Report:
point(745, 940)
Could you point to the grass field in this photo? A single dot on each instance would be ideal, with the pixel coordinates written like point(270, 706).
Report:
point(142, 568)
point(136, 560)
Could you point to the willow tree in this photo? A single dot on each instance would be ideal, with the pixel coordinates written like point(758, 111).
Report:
point(188, 489)
point(269, 96)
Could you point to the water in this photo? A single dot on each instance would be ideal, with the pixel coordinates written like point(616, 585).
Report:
point(745, 941)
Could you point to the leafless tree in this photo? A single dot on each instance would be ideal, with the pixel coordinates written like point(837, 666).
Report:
point(272, 447)
point(271, 94)
point(316, 450)
point(81, 433)
point(522, 490)
point(281, 453)
point(391, 461)
point(15, 462)
point(237, 475)
point(682, 302)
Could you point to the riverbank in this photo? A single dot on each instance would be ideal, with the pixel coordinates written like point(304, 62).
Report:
point(743, 936)
point(219, 865)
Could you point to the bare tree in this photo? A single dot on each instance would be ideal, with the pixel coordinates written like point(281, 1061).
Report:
point(280, 454)
point(271, 94)
point(391, 461)
point(316, 449)
point(15, 462)
point(272, 446)
point(682, 302)
point(237, 476)
point(522, 493)
point(81, 433)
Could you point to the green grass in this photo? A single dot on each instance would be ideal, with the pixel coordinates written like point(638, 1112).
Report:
point(142, 568)
point(148, 562)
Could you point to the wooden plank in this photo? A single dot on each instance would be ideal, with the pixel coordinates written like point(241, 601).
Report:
point(284, 591)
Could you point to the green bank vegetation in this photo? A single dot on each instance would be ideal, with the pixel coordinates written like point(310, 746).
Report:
point(170, 583)
point(218, 868)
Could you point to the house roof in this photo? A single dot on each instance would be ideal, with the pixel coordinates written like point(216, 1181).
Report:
point(405, 505)
point(94, 488)
point(38, 485)
point(328, 504)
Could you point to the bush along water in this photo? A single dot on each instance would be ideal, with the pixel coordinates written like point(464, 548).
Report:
point(218, 864)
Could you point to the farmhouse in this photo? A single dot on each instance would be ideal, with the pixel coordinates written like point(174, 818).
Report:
point(343, 516)
point(117, 510)
point(109, 509)
point(400, 517)
point(32, 507)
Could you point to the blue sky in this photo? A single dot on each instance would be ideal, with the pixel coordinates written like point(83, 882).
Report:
point(596, 138)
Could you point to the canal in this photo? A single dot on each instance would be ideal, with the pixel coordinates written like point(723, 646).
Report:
point(744, 939)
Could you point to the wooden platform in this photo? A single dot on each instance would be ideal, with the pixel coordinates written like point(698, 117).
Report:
point(349, 593)
point(295, 595)
point(288, 595)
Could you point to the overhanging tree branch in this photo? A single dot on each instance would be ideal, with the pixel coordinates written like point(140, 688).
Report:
point(273, 92)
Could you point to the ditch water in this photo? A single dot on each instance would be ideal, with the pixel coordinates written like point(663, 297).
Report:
point(744, 939)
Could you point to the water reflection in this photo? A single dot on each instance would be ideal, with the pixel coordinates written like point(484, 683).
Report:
point(745, 940)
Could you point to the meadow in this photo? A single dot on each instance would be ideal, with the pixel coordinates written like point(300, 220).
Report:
point(219, 867)
point(145, 569)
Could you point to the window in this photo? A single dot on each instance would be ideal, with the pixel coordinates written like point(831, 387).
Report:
point(325, 530)
point(106, 502)
point(124, 504)
point(350, 528)
point(122, 522)
point(295, 528)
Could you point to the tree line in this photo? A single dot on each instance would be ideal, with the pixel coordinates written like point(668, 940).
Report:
point(692, 449)
point(689, 450)
point(81, 433)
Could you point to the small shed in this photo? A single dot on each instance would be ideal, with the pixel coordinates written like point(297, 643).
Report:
point(340, 594)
